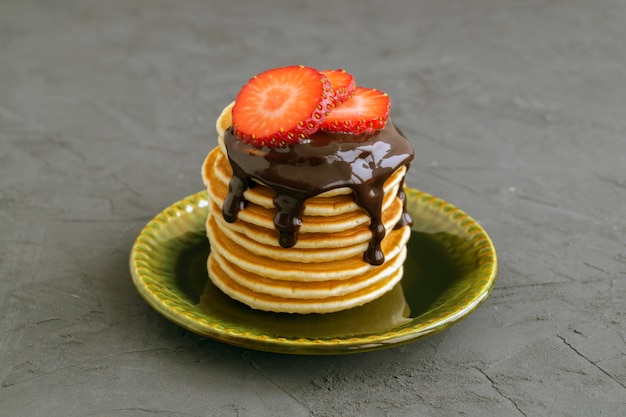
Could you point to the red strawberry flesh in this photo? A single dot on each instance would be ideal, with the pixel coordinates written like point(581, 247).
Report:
point(281, 106)
point(343, 84)
point(365, 112)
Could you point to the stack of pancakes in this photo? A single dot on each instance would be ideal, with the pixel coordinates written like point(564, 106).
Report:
point(325, 271)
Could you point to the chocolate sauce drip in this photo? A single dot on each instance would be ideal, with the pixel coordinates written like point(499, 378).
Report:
point(324, 162)
point(406, 219)
point(234, 201)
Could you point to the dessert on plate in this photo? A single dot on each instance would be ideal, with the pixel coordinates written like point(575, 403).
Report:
point(306, 191)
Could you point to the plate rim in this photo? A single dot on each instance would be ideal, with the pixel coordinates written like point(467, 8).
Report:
point(189, 318)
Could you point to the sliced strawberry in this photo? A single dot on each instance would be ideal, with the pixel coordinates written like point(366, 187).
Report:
point(366, 112)
point(343, 84)
point(281, 106)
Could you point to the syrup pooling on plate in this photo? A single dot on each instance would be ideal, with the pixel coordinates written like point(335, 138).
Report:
point(324, 162)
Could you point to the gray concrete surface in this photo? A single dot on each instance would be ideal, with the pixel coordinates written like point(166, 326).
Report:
point(517, 110)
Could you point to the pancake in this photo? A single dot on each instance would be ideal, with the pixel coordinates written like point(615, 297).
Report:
point(269, 237)
point(217, 173)
point(263, 301)
point(308, 289)
point(290, 270)
point(324, 269)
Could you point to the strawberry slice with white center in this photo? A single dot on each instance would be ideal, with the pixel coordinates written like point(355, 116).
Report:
point(343, 84)
point(365, 112)
point(281, 106)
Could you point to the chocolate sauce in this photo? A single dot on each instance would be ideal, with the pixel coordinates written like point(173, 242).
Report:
point(323, 162)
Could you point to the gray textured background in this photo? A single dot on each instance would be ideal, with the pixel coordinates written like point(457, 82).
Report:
point(517, 111)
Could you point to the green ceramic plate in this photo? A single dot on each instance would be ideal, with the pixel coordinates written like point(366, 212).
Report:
point(450, 270)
